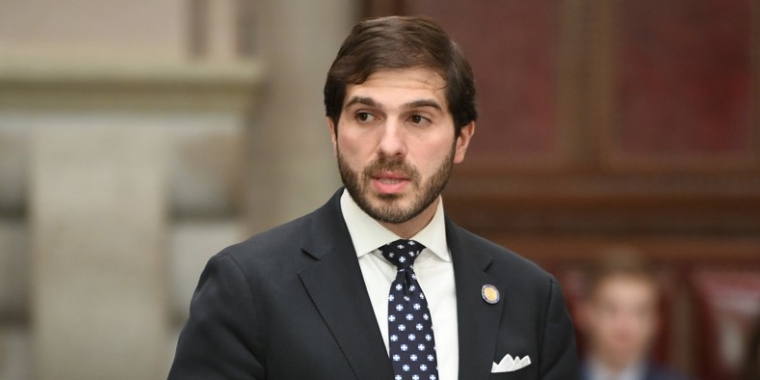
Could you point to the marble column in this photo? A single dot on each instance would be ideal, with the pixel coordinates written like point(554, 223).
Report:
point(293, 169)
point(98, 214)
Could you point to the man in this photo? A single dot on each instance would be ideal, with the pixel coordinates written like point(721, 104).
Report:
point(620, 319)
point(378, 283)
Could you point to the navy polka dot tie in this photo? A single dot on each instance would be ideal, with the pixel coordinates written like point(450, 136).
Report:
point(410, 329)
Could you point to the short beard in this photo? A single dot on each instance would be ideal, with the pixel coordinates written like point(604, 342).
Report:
point(425, 194)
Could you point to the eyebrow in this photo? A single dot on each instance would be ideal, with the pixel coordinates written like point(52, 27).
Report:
point(363, 100)
point(422, 103)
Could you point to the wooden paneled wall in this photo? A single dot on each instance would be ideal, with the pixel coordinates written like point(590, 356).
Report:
point(614, 123)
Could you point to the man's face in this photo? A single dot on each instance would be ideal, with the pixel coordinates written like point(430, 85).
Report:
point(621, 319)
point(396, 143)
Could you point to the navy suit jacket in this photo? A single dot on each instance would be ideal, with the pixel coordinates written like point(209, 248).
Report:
point(291, 303)
point(652, 372)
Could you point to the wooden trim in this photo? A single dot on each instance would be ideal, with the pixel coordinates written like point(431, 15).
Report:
point(755, 91)
point(572, 134)
point(601, 78)
point(582, 203)
point(698, 164)
point(737, 253)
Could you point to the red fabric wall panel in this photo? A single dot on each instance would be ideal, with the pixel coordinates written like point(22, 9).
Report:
point(684, 76)
point(512, 46)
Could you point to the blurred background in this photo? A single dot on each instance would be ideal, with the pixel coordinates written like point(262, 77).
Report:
point(138, 138)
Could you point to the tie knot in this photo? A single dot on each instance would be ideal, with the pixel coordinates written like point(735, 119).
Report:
point(402, 252)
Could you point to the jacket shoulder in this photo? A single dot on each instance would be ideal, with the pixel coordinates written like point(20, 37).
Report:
point(657, 372)
point(275, 246)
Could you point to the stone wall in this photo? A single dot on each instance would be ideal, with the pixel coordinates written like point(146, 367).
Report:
point(137, 139)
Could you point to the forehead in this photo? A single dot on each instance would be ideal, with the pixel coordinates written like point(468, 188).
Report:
point(626, 287)
point(398, 86)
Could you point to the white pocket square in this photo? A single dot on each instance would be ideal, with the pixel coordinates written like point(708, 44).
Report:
point(509, 364)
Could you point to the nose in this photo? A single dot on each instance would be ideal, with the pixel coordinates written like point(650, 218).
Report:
point(392, 142)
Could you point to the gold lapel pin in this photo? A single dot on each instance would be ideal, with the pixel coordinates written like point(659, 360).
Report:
point(490, 294)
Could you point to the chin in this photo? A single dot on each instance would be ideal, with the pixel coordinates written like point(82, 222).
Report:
point(388, 198)
point(626, 359)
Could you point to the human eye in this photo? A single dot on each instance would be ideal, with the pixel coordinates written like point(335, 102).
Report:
point(364, 117)
point(419, 120)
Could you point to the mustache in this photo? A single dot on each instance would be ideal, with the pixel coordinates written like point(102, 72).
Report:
point(391, 165)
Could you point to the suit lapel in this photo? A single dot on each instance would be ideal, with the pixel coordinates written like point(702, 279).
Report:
point(478, 320)
point(336, 286)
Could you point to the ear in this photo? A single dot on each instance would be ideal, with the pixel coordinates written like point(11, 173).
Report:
point(463, 141)
point(333, 134)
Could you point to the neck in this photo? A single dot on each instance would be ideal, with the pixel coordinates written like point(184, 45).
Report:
point(412, 226)
point(614, 365)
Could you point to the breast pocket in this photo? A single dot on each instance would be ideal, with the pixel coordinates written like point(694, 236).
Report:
point(520, 374)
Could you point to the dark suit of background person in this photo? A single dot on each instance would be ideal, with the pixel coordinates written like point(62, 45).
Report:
point(650, 372)
point(292, 303)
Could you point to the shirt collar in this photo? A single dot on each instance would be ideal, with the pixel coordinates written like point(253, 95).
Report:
point(631, 372)
point(367, 234)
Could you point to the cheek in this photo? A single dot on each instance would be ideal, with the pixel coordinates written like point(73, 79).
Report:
point(611, 323)
point(608, 325)
point(432, 153)
point(357, 140)
point(647, 326)
point(350, 147)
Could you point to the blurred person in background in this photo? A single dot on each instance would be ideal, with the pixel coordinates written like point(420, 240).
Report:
point(619, 316)
point(751, 368)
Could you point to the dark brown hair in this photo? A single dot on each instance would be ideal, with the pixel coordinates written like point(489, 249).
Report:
point(618, 261)
point(398, 43)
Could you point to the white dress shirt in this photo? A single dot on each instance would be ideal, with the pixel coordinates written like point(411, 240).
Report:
point(598, 371)
point(434, 270)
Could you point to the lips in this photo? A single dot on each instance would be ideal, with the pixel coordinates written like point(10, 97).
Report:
point(390, 182)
